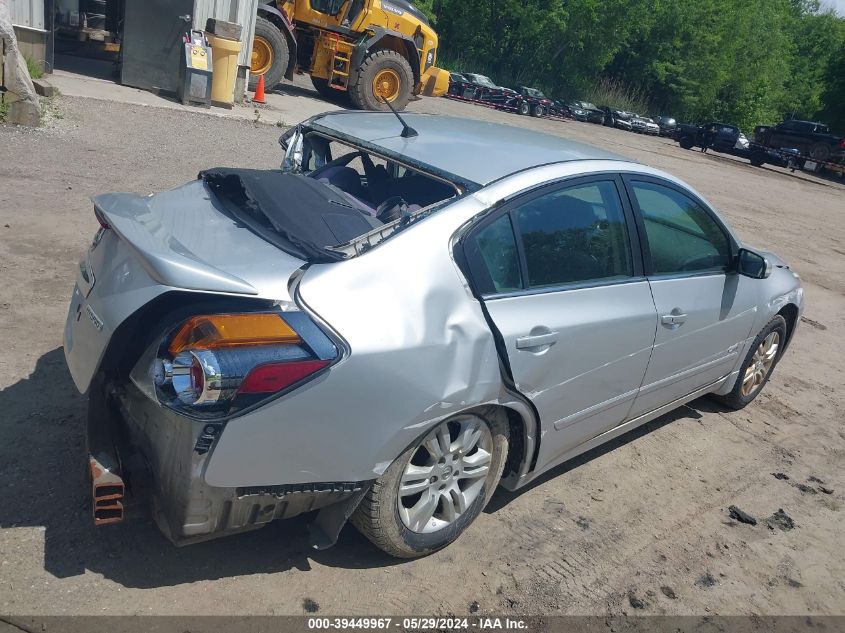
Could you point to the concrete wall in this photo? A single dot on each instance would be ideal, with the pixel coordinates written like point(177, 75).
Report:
point(33, 44)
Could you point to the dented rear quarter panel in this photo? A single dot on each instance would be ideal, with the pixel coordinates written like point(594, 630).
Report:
point(417, 352)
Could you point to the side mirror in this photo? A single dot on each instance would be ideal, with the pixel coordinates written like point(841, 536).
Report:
point(753, 264)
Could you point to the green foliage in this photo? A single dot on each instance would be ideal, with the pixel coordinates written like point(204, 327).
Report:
point(4, 110)
point(743, 61)
point(34, 68)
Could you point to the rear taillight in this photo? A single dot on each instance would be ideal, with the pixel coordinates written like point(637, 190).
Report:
point(842, 143)
point(212, 366)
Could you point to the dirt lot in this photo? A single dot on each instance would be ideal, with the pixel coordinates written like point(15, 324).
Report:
point(640, 526)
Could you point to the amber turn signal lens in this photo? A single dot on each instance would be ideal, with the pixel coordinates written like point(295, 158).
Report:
point(232, 330)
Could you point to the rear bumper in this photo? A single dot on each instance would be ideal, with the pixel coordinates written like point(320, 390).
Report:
point(157, 459)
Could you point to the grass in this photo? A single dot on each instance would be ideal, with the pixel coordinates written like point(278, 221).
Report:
point(34, 67)
point(618, 95)
point(4, 110)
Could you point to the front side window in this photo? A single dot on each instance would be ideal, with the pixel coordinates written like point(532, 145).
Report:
point(682, 236)
point(575, 235)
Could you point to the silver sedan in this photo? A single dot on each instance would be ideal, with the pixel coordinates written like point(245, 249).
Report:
point(409, 314)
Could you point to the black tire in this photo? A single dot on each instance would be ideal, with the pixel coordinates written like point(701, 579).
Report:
point(537, 111)
point(523, 108)
point(361, 92)
point(378, 518)
point(327, 92)
point(820, 151)
point(687, 142)
point(735, 399)
point(268, 31)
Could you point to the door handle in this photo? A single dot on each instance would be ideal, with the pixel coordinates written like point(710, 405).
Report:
point(673, 318)
point(186, 17)
point(537, 340)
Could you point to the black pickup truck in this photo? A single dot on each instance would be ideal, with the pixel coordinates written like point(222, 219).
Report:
point(811, 139)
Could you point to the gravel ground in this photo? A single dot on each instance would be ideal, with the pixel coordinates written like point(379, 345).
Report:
point(640, 526)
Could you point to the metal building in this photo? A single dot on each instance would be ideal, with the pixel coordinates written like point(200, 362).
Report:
point(143, 36)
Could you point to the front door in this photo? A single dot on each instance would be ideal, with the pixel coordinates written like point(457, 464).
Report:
point(561, 279)
point(705, 310)
point(152, 43)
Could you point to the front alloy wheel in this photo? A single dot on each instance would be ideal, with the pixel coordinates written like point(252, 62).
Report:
point(759, 363)
point(431, 493)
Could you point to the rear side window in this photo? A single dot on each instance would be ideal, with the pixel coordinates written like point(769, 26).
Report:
point(575, 235)
point(682, 236)
point(494, 259)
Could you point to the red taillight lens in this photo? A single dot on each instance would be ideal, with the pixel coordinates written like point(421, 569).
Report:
point(842, 143)
point(274, 377)
point(214, 365)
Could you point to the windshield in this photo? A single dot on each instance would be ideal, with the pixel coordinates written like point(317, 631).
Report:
point(533, 92)
point(481, 80)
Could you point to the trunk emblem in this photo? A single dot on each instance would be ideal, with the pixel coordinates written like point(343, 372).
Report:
point(95, 320)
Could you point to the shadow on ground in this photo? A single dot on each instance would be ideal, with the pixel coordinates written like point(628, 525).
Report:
point(42, 466)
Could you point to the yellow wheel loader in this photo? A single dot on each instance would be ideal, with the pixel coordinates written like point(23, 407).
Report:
point(370, 50)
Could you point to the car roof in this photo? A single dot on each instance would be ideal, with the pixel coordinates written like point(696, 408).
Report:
point(465, 151)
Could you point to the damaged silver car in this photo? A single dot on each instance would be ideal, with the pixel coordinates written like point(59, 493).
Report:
point(408, 314)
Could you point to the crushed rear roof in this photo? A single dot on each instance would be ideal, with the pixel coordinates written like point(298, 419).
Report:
point(476, 152)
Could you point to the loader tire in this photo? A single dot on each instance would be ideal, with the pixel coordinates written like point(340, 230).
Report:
point(385, 73)
point(270, 54)
point(327, 92)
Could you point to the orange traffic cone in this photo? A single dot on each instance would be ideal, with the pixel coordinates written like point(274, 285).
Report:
point(259, 91)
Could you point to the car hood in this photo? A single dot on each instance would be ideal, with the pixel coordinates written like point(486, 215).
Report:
point(184, 239)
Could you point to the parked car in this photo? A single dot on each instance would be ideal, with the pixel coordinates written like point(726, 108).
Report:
point(531, 101)
point(809, 138)
point(644, 125)
point(668, 125)
point(388, 328)
point(560, 108)
point(483, 88)
point(586, 111)
point(742, 142)
point(721, 137)
point(458, 84)
point(617, 118)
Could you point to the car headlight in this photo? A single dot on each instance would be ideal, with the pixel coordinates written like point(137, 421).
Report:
point(211, 366)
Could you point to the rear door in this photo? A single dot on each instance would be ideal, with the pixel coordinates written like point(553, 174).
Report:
point(705, 310)
point(560, 274)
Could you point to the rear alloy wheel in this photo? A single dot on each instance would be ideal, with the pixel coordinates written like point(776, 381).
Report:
point(687, 142)
point(757, 368)
point(270, 54)
point(437, 487)
point(523, 108)
point(383, 75)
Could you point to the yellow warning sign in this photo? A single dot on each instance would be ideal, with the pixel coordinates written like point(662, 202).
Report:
point(199, 58)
